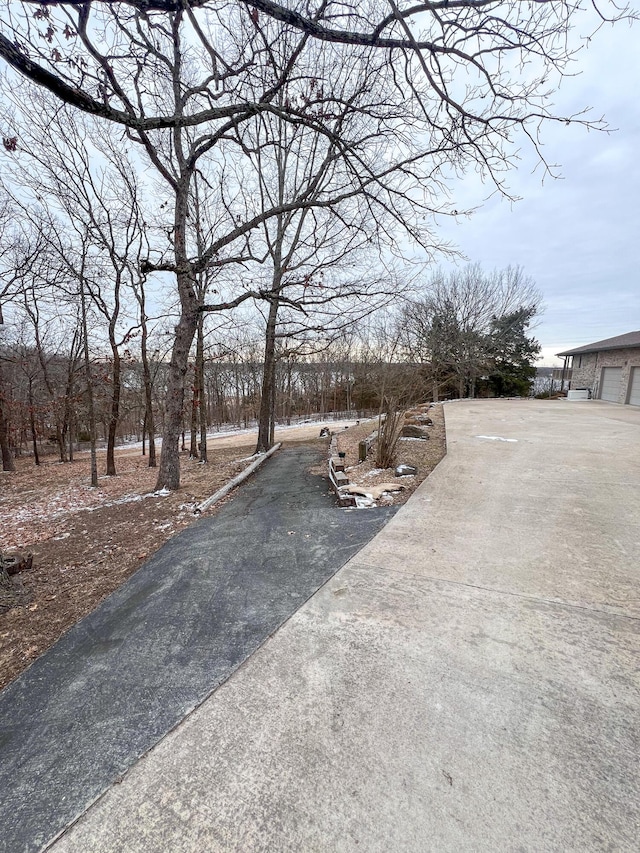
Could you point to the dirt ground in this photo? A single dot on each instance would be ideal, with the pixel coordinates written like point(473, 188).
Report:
point(86, 542)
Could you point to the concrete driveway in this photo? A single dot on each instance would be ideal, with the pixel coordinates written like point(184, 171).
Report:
point(467, 682)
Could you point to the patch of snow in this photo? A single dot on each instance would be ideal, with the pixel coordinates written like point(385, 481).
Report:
point(373, 473)
point(363, 502)
point(126, 499)
point(496, 438)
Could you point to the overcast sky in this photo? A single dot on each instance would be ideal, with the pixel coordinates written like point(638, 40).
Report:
point(579, 237)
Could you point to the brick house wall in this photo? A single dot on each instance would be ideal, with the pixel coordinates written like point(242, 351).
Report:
point(587, 369)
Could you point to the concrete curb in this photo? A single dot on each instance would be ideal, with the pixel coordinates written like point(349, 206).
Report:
point(216, 496)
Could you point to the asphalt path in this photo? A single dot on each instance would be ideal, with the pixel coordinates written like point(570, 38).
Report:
point(117, 682)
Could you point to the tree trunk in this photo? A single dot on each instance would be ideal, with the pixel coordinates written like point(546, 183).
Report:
point(67, 418)
point(60, 441)
point(70, 431)
point(288, 393)
point(268, 382)
point(115, 412)
point(90, 406)
point(201, 389)
point(7, 457)
point(148, 393)
point(193, 438)
point(32, 426)
point(272, 418)
point(169, 471)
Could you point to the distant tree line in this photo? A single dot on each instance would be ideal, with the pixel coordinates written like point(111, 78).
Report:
point(460, 334)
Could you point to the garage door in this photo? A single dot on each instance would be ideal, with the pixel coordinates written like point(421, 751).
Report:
point(634, 387)
point(610, 384)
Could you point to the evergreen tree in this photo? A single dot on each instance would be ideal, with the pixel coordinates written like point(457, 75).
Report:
point(513, 354)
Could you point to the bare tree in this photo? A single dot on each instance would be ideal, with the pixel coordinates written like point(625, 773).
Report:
point(7, 457)
point(80, 173)
point(447, 328)
point(310, 253)
point(32, 304)
point(16, 257)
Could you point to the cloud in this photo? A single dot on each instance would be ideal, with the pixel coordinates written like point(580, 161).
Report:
point(577, 236)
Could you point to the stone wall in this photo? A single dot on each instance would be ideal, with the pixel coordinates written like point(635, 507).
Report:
point(587, 369)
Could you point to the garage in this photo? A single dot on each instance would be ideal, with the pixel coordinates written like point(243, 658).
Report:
point(634, 387)
point(610, 384)
point(609, 369)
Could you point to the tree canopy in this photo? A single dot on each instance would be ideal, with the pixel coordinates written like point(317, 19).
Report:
point(512, 354)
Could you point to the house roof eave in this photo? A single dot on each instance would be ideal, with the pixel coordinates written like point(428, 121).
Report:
point(630, 339)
